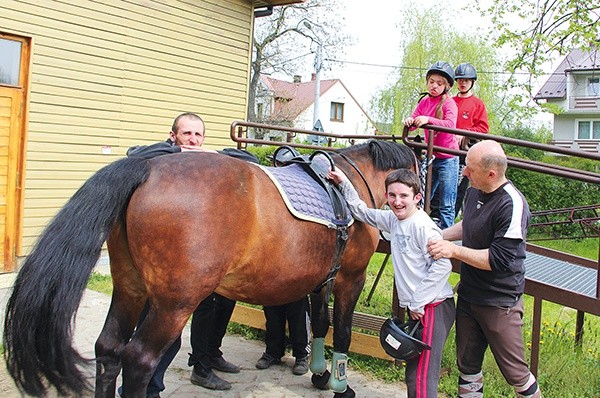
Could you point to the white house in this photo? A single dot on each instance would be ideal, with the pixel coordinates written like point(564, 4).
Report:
point(574, 88)
point(292, 104)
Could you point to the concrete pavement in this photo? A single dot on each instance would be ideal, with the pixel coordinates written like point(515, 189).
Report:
point(277, 381)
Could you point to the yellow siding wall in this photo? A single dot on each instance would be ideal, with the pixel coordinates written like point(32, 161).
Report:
point(114, 73)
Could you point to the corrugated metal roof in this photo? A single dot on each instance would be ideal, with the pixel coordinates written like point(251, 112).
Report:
point(577, 60)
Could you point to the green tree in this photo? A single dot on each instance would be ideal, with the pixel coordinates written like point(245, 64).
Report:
point(427, 41)
point(539, 31)
point(291, 33)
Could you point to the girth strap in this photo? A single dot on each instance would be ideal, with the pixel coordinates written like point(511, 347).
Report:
point(340, 246)
point(319, 170)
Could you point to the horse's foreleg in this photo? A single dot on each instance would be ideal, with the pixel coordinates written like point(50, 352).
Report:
point(346, 290)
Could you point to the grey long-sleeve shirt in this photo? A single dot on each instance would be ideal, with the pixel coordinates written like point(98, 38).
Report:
point(419, 280)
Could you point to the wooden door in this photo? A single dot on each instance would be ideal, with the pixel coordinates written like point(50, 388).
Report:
point(14, 75)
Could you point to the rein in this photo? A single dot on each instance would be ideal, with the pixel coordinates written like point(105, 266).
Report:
point(355, 167)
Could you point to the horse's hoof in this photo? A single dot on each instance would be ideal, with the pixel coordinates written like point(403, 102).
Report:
point(321, 381)
point(349, 393)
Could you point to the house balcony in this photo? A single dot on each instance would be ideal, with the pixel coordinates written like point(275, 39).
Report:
point(592, 146)
point(584, 103)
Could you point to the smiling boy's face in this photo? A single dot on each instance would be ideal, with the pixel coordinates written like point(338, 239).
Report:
point(402, 200)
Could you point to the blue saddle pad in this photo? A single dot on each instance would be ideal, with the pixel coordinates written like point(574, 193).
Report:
point(305, 198)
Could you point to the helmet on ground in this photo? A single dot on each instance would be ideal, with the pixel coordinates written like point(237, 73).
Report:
point(399, 340)
point(442, 68)
point(284, 154)
point(465, 71)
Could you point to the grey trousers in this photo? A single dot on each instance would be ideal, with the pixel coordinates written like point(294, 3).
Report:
point(500, 328)
point(423, 372)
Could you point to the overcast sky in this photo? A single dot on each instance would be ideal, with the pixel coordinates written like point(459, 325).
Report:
point(377, 48)
point(374, 26)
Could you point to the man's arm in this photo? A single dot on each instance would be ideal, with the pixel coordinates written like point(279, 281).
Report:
point(478, 258)
point(150, 151)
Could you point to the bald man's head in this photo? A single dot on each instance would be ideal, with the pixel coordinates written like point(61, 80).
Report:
point(486, 165)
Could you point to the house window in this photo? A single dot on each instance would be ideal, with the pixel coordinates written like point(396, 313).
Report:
point(10, 62)
point(259, 109)
point(588, 130)
point(594, 86)
point(337, 112)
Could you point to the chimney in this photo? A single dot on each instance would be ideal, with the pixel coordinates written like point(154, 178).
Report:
point(297, 78)
point(313, 77)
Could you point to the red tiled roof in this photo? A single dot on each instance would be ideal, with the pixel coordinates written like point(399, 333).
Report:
point(291, 99)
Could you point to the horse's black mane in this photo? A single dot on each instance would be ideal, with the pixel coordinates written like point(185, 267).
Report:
point(385, 155)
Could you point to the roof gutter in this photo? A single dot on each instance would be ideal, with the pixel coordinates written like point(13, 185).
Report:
point(263, 12)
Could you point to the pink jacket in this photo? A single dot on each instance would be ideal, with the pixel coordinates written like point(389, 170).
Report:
point(427, 108)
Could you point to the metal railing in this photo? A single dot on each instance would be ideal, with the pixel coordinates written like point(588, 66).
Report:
point(539, 291)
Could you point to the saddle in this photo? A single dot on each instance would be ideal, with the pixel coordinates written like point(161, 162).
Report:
point(302, 179)
point(303, 185)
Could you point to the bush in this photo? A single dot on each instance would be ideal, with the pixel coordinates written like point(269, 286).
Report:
point(544, 191)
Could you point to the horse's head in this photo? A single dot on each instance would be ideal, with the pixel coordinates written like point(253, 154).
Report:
point(373, 160)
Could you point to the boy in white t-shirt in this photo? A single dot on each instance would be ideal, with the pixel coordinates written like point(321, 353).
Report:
point(421, 282)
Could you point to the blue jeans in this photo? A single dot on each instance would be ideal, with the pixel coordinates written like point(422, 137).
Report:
point(444, 181)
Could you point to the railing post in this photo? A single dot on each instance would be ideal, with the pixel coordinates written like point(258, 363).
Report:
point(535, 335)
point(579, 328)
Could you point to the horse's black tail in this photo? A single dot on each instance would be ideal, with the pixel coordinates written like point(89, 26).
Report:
point(38, 327)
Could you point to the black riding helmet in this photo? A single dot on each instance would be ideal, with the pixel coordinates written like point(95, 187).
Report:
point(442, 68)
point(465, 71)
point(398, 339)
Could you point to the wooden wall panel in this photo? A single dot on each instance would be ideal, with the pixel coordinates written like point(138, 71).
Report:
point(107, 75)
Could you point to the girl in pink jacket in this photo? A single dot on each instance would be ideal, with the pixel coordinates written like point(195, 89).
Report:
point(439, 109)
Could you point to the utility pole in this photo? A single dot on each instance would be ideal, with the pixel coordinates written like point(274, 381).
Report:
point(318, 66)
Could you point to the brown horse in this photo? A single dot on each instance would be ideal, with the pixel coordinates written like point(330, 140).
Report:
point(179, 227)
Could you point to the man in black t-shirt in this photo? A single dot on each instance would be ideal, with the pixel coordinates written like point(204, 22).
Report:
point(489, 311)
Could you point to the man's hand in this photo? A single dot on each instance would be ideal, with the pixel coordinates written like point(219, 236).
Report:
point(440, 248)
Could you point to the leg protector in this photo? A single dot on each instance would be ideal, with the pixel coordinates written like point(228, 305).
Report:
point(338, 381)
point(317, 358)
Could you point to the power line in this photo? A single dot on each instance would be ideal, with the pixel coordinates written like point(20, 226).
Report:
point(425, 69)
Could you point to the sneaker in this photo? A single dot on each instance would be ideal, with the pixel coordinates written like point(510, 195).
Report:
point(210, 381)
point(266, 361)
point(221, 364)
point(300, 366)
